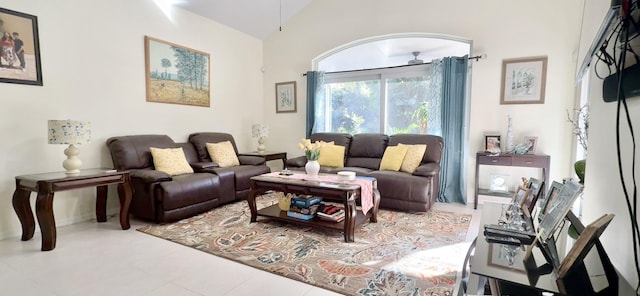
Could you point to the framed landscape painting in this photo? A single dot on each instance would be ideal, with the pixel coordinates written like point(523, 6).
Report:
point(176, 74)
point(523, 80)
point(19, 48)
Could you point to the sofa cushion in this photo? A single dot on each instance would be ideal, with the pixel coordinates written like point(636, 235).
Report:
point(188, 190)
point(393, 157)
point(171, 161)
point(331, 155)
point(132, 152)
point(200, 140)
point(434, 145)
point(223, 154)
point(412, 159)
point(366, 150)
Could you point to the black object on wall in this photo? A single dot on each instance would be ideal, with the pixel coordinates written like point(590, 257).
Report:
point(630, 84)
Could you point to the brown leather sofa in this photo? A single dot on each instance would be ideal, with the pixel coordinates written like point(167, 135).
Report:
point(163, 198)
point(398, 190)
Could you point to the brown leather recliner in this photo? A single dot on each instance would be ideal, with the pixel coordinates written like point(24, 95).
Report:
point(234, 181)
point(156, 195)
point(398, 190)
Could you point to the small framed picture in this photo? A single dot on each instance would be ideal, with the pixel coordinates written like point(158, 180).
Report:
point(520, 197)
point(498, 183)
point(286, 97)
point(492, 143)
point(523, 80)
point(550, 199)
point(532, 142)
point(20, 49)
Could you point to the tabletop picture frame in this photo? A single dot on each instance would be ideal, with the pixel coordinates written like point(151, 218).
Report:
point(550, 198)
point(559, 209)
point(22, 66)
point(491, 142)
point(523, 80)
point(286, 101)
point(533, 144)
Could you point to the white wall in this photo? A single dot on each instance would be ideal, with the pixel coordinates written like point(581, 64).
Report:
point(93, 69)
point(500, 29)
point(603, 189)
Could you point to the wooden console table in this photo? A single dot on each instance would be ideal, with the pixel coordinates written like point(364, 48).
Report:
point(49, 183)
point(512, 160)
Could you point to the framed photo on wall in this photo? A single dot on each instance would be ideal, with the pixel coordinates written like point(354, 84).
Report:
point(176, 74)
point(286, 97)
point(20, 48)
point(523, 80)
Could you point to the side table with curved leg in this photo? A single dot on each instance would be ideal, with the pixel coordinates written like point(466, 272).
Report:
point(49, 183)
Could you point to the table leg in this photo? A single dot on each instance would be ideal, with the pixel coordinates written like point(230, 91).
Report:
point(44, 211)
point(23, 209)
point(251, 200)
point(376, 205)
point(101, 203)
point(125, 194)
point(350, 216)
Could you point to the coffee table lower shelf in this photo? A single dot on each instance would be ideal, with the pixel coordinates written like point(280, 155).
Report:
point(275, 213)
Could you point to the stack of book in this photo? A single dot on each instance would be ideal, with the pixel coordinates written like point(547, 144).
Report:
point(330, 213)
point(304, 207)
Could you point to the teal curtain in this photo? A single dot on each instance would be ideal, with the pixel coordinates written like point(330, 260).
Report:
point(312, 79)
point(454, 81)
point(315, 102)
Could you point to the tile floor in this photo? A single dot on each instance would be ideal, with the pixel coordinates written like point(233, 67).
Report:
point(101, 259)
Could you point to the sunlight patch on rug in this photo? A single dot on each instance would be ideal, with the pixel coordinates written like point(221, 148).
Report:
point(402, 254)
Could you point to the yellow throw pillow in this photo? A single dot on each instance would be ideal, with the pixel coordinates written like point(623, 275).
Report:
point(223, 154)
point(392, 158)
point(414, 156)
point(171, 161)
point(331, 156)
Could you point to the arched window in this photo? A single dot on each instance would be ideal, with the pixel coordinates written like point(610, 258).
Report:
point(383, 84)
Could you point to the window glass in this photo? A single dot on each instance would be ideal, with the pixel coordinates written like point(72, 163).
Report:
point(407, 105)
point(354, 107)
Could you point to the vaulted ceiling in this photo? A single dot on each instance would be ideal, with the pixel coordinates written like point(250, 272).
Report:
point(258, 18)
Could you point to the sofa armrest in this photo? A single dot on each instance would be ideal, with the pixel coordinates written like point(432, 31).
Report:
point(250, 160)
point(149, 176)
point(297, 162)
point(199, 166)
point(427, 170)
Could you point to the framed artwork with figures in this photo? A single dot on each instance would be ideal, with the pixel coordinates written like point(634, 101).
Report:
point(286, 97)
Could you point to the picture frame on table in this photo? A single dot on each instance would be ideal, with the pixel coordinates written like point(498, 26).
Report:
point(520, 196)
point(175, 74)
point(492, 143)
point(498, 183)
point(20, 61)
point(286, 101)
point(550, 198)
point(535, 190)
point(532, 142)
point(523, 80)
point(557, 211)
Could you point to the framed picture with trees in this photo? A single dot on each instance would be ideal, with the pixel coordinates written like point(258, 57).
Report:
point(176, 74)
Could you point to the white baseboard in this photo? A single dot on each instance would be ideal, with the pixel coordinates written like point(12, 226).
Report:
point(17, 232)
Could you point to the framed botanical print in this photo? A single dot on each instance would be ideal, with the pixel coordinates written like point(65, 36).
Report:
point(523, 80)
point(286, 97)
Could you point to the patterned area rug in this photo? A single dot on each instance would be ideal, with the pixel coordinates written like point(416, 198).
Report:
point(403, 254)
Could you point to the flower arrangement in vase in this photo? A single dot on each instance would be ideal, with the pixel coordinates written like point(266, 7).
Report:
point(312, 152)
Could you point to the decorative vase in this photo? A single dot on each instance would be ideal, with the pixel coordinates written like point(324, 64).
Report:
point(579, 166)
point(509, 143)
point(312, 168)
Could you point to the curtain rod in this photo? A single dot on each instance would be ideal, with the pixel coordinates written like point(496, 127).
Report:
point(478, 57)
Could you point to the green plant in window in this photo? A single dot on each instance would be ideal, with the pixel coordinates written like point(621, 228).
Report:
point(420, 115)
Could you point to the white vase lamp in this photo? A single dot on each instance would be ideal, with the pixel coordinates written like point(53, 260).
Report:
point(72, 133)
point(260, 131)
point(73, 163)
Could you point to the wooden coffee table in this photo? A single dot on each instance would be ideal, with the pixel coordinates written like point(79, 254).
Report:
point(344, 193)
